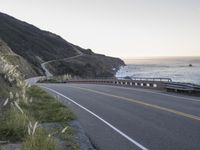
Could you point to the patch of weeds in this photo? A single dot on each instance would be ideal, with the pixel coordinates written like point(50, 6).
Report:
point(40, 106)
point(39, 141)
point(68, 137)
point(46, 108)
point(14, 125)
point(66, 134)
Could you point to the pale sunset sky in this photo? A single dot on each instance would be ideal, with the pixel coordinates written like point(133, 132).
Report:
point(121, 28)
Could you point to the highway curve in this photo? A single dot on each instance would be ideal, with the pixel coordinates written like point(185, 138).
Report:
point(119, 118)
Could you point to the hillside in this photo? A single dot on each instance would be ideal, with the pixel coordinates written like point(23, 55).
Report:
point(88, 66)
point(37, 46)
point(23, 106)
point(23, 66)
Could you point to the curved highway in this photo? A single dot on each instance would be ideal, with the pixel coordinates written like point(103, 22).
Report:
point(121, 118)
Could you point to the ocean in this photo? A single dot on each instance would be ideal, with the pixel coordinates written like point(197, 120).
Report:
point(176, 68)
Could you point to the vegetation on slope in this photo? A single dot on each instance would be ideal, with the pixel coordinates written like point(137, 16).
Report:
point(45, 108)
point(23, 66)
point(32, 43)
point(24, 110)
point(88, 66)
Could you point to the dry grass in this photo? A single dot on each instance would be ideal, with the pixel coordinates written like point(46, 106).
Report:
point(40, 141)
point(14, 125)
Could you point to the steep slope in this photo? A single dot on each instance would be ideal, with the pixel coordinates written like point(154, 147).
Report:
point(38, 46)
point(23, 66)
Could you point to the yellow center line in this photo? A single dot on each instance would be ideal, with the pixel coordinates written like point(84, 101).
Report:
point(143, 103)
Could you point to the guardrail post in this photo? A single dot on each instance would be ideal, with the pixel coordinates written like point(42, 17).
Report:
point(140, 82)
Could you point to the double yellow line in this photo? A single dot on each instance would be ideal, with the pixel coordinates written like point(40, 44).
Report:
point(143, 103)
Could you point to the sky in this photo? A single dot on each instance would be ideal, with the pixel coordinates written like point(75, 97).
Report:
point(120, 28)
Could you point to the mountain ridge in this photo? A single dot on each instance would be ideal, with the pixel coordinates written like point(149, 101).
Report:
point(37, 46)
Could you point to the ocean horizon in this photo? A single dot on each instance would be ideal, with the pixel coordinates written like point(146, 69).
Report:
point(179, 69)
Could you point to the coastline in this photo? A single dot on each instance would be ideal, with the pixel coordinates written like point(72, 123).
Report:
point(176, 68)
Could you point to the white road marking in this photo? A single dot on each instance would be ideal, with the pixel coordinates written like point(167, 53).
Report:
point(104, 121)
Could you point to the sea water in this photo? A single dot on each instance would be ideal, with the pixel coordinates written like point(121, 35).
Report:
point(176, 68)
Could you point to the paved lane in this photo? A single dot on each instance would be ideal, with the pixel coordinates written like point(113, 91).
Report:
point(152, 119)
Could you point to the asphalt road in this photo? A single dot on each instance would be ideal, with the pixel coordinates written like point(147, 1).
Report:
point(119, 118)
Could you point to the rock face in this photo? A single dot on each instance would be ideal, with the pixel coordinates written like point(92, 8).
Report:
point(37, 46)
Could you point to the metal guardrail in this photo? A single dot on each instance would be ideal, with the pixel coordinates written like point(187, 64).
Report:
point(155, 83)
point(152, 79)
point(183, 87)
point(139, 82)
point(139, 79)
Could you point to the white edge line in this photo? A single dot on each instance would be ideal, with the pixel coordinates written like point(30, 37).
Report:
point(107, 123)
